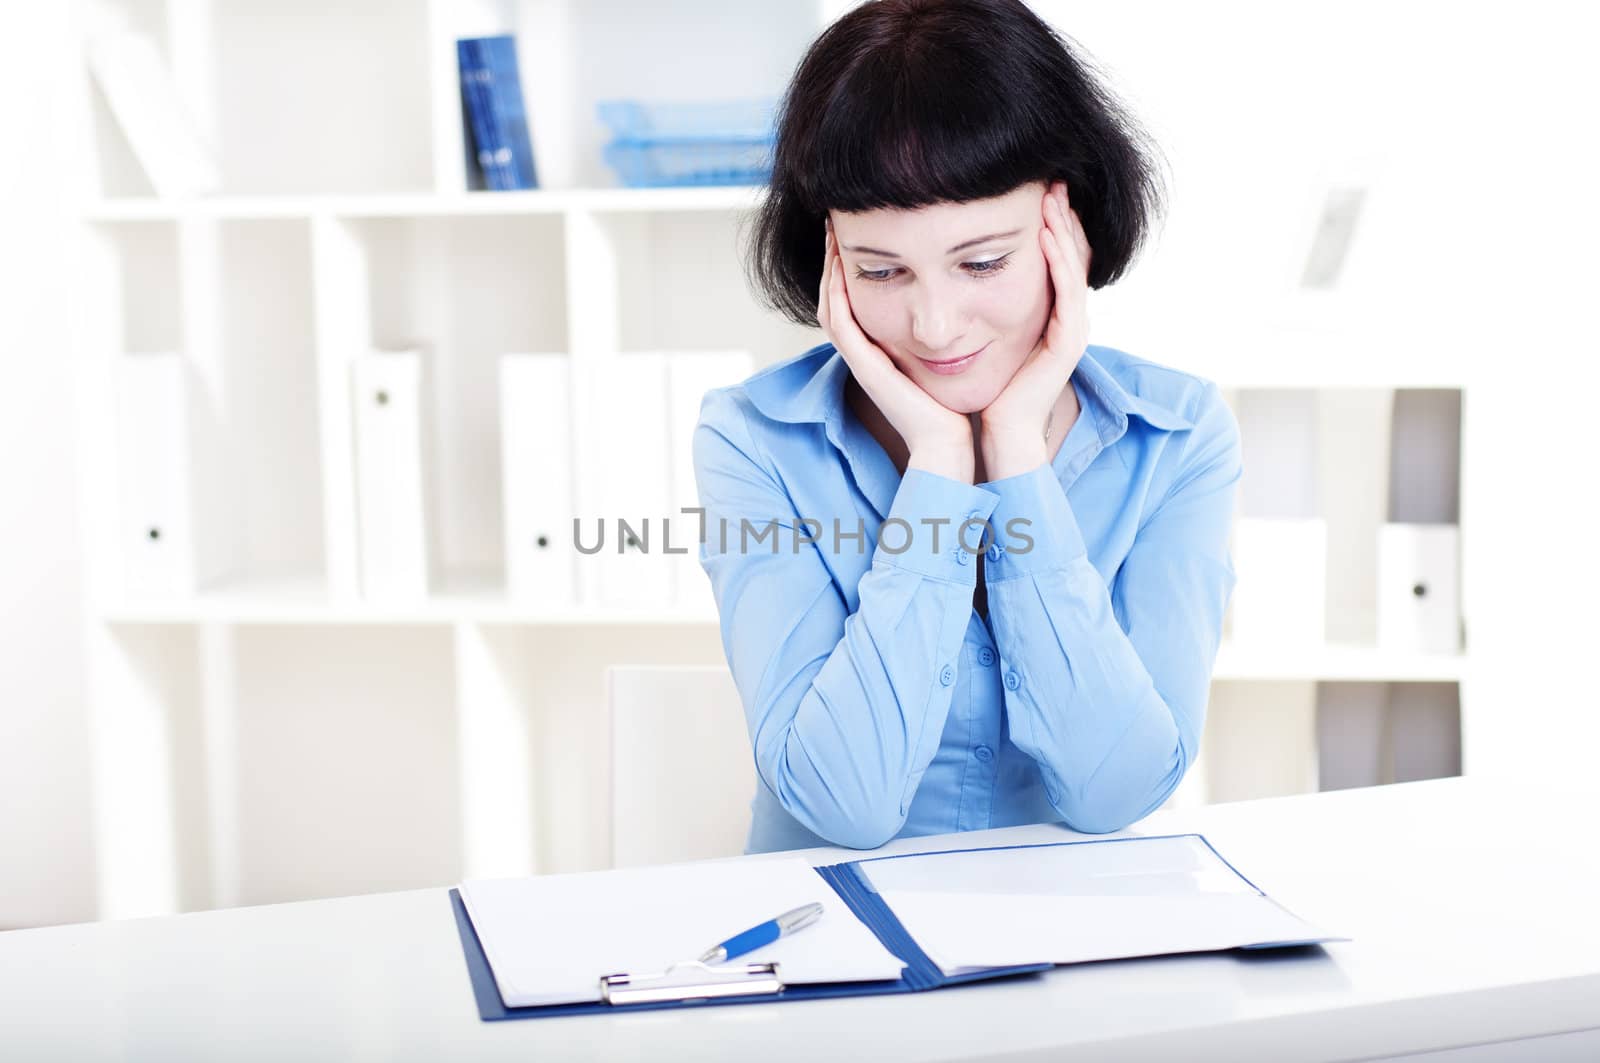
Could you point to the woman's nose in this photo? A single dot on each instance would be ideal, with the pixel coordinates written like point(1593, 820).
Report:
point(935, 319)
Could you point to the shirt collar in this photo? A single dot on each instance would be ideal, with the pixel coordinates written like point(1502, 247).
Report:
point(1111, 403)
point(810, 389)
point(804, 389)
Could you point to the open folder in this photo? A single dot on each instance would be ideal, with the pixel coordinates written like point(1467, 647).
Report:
point(564, 944)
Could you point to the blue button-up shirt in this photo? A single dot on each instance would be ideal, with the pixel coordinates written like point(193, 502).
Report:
point(879, 702)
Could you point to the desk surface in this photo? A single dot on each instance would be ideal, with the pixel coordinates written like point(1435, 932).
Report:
point(1471, 905)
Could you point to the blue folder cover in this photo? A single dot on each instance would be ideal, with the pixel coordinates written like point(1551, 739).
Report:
point(850, 882)
point(920, 973)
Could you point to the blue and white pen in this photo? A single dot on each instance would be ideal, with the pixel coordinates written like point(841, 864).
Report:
point(767, 932)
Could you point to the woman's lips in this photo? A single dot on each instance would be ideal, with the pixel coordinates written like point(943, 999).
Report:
point(953, 366)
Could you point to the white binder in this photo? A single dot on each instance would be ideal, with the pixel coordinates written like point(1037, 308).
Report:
point(155, 526)
point(537, 466)
point(690, 376)
point(625, 495)
point(1419, 599)
point(391, 475)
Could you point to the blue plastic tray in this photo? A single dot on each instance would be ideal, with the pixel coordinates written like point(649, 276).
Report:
point(716, 142)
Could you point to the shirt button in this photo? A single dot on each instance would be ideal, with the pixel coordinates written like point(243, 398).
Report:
point(947, 675)
point(984, 753)
point(985, 656)
point(995, 550)
point(962, 556)
point(1013, 680)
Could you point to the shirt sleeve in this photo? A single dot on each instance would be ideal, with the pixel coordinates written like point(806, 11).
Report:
point(1106, 687)
point(845, 709)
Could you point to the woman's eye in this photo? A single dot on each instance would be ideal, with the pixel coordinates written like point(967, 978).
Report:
point(987, 268)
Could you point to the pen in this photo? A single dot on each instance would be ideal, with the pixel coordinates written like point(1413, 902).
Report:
point(771, 930)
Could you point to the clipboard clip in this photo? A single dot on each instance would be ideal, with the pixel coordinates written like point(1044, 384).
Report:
point(692, 980)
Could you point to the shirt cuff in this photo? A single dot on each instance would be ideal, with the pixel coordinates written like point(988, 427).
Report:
point(1034, 527)
point(924, 531)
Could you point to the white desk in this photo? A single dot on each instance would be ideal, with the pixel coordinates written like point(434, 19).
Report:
point(1473, 911)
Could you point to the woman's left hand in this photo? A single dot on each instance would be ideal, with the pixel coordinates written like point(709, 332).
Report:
point(1012, 437)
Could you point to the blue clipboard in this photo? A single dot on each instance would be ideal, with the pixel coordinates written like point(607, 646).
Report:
point(747, 984)
point(760, 983)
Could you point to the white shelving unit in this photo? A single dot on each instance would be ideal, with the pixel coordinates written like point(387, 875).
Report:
point(238, 731)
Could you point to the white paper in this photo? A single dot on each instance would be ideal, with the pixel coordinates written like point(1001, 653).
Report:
point(1073, 903)
point(549, 939)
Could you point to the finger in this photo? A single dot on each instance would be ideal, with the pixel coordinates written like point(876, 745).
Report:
point(1070, 310)
point(1060, 267)
point(840, 319)
point(1073, 225)
point(1067, 230)
point(1080, 239)
point(1053, 218)
point(866, 361)
point(827, 263)
point(846, 331)
point(826, 285)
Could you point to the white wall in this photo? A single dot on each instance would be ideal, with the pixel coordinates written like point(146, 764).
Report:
point(45, 857)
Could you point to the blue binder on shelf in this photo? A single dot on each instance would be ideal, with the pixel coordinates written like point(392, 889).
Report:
point(497, 118)
point(1139, 877)
point(484, 148)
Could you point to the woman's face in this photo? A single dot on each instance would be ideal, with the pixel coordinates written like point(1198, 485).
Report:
point(942, 283)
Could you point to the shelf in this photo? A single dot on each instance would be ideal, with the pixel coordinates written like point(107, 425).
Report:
point(426, 204)
point(302, 598)
point(480, 597)
point(1337, 663)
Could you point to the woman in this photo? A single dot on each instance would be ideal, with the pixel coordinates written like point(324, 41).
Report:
point(971, 573)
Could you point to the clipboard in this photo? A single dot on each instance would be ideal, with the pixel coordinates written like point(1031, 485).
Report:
point(697, 985)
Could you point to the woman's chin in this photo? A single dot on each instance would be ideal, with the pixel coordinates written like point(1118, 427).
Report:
point(962, 396)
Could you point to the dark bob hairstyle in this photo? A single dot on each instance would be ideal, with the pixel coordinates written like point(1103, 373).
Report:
point(908, 103)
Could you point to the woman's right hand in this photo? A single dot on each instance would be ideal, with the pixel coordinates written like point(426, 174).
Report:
point(938, 439)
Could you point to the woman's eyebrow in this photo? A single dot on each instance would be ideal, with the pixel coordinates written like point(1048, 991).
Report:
point(953, 250)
